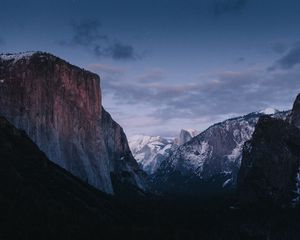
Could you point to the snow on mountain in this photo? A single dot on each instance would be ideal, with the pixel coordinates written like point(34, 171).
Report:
point(16, 56)
point(192, 157)
point(186, 135)
point(149, 151)
point(213, 154)
point(269, 111)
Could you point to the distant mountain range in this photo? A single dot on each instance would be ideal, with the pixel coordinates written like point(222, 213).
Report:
point(211, 158)
point(59, 106)
point(68, 171)
point(151, 151)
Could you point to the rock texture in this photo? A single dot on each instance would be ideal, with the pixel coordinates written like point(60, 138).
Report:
point(295, 115)
point(186, 135)
point(123, 167)
point(211, 160)
point(40, 200)
point(59, 107)
point(150, 151)
point(270, 163)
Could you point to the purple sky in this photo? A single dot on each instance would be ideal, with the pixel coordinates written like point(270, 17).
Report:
point(167, 65)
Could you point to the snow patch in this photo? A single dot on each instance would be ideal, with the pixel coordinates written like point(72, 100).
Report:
point(269, 111)
point(15, 57)
point(226, 182)
point(150, 151)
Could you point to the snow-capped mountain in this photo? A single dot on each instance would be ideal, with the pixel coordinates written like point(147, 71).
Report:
point(151, 151)
point(268, 111)
point(185, 136)
point(213, 156)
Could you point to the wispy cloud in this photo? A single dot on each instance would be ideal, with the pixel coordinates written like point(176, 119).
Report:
point(288, 60)
point(87, 33)
point(152, 76)
point(226, 93)
point(119, 51)
point(107, 69)
point(279, 47)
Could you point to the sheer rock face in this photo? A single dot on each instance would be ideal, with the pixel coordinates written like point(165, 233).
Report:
point(59, 107)
point(186, 135)
point(122, 164)
point(37, 196)
point(295, 115)
point(270, 163)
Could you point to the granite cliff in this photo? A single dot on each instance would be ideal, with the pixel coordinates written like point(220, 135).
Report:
point(59, 106)
point(269, 172)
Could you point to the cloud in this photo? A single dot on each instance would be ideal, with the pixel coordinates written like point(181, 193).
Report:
point(87, 33)
point(107, 69)
point(288, 60)
point(279, 47)
point(228, 6)
point(120, 51)
point(152, 76)
point(226, 94)
point(240, 60)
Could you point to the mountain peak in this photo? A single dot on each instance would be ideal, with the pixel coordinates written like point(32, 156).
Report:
point(269, 111)
point(186, 135)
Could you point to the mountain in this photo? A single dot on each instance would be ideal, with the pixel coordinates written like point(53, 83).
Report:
point(40, 200)
point(151, 151)
point(211, 160)
point(270, 163)
point(185, 136)
point(294, 118)
point(269, 172)
point(59, 106)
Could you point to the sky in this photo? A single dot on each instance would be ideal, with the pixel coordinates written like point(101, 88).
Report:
point(167, 65)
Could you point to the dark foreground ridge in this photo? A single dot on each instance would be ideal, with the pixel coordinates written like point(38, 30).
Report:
point(40, 200)
point(268, 173)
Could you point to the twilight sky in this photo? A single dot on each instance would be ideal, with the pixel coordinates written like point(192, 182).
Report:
point(169, 64)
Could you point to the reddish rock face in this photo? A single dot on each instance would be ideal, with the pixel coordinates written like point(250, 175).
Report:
point(59, 107)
